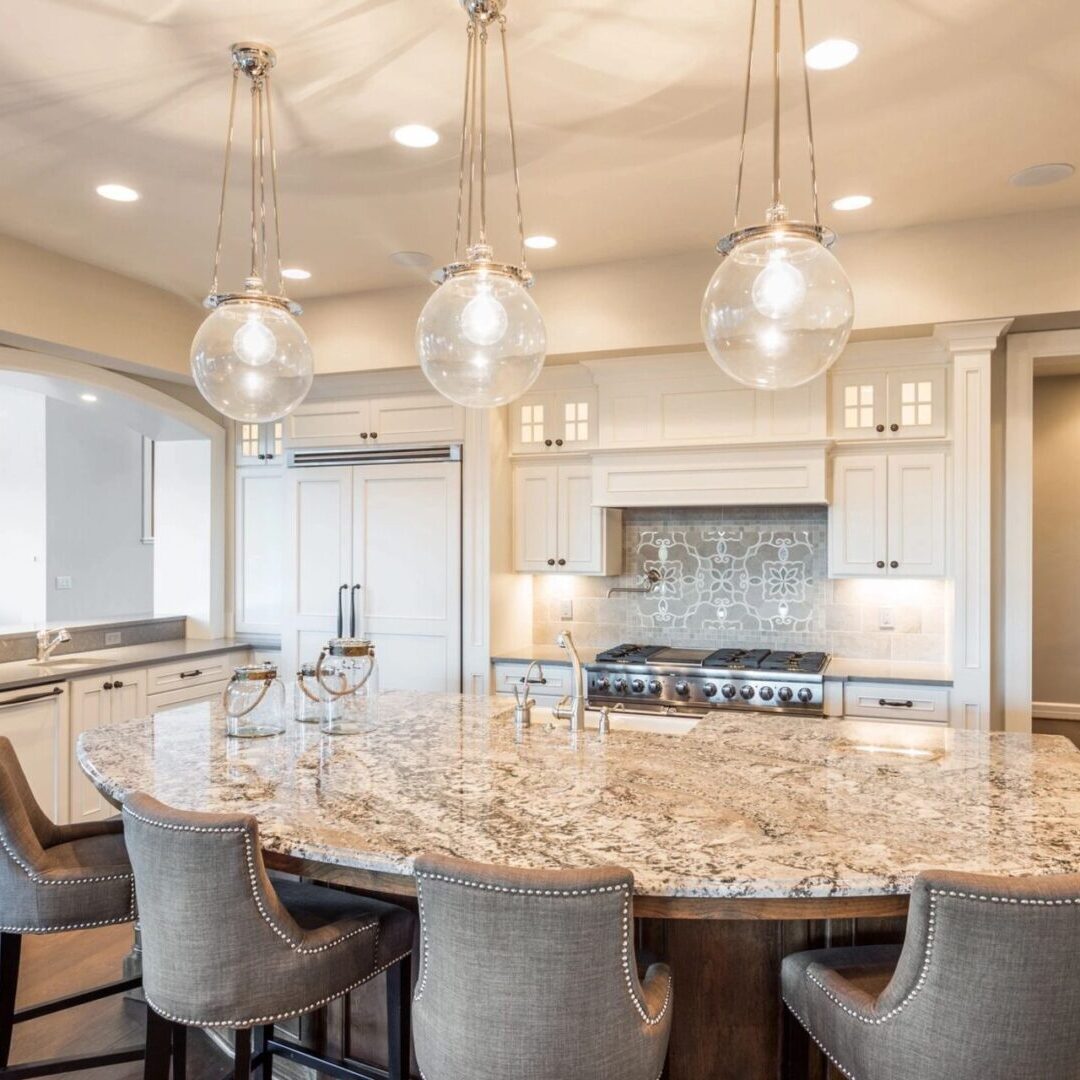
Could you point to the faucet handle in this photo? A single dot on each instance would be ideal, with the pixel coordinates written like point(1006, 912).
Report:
point(62, 635)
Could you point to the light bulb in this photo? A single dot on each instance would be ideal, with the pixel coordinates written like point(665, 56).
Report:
point(254, 342)
point(483, 319)
point(779, 289)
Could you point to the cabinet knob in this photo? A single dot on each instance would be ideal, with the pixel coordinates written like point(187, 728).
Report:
point(881, 564)
point(558, 442)
point(374, 434)
point(562, 562)
point(894, 427)
point(363, 435)
point(551, 562)
point(895, 565)
point(880, 427)
point(547, 442)
point(106, 686)
point(117, 685)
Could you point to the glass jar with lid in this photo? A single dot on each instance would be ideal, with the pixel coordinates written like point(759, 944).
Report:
point(357, 700)
point(254, 702)
point(311, 701)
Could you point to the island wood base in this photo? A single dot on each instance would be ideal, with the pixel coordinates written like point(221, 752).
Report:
point(729, 1023)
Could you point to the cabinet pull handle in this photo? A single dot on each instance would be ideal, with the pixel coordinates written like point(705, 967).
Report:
point(551, 562)
point(529, 682)
point(896, 704)
point(895, 565)
point(894, 427)
point(56, 690)
point(191, 674)
point(880, 427)
point(107, 686)
point(881, 564)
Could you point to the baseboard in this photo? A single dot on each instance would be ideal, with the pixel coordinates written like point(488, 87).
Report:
point(1055, 710)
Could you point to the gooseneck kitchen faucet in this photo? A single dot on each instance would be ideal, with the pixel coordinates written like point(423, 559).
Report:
point(572, 707)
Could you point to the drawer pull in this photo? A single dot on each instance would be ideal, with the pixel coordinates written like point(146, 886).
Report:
point(540, 682)
point(896, 704)
point(191, 674)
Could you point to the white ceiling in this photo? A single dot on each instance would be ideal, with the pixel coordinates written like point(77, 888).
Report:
point(628, 114)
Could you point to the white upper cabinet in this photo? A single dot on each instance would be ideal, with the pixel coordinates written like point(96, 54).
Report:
point(407, 418)
point(887, 517)
point(260, 444)
point(260, 540)
point(557, 529)
point(553, 422)
point(901, 403)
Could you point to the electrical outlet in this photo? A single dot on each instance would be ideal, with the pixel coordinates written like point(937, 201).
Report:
point(886, 618)
point(63, 583)
point(566, 609)
point(113, 637)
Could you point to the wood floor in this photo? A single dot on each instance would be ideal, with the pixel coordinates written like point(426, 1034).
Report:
point(54, 965)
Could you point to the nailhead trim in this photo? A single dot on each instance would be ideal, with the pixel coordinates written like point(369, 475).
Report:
point(628, 974)
point(249, 857)
point(821, 1046)
point(254, 1020)
point(38, 879)
point(83, 925)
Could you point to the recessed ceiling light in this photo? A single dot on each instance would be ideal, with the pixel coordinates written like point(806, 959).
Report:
point(852, 202)
point(1041, 175)
point(413, 259)
point(89, 398)
point(830, 54)
point(417, 136)
point(117, 192)
point(541, 243)
point(294, 273)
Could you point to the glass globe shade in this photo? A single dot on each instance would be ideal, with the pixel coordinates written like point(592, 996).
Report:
point(481, 339)
point(778, 311)
point(252, 361)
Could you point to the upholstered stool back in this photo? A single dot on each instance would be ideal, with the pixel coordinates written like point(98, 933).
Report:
point(532, 974)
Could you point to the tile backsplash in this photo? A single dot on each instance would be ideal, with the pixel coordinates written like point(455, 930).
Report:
point(742, 576)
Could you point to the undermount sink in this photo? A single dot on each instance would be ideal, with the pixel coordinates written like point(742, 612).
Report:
point(65, 662)
point(654, 723)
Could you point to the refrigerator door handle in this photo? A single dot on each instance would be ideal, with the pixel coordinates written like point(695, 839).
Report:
point(352, 612)
point(341, 611)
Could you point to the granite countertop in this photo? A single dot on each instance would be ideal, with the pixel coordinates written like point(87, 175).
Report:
point(745, 805)
point(19, 673)
point(839, 669)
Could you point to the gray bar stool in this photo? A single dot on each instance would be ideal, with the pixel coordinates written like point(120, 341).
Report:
point(224, 947)
point(54, 878)
point(531, 974)
point(985, 986)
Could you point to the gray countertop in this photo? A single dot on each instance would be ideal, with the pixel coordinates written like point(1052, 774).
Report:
point(65, 666)
point(744, 805)
point(839, 669)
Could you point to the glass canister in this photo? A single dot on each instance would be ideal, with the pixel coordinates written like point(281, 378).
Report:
point(311, 701)
point(358, 699)
point(254, 702)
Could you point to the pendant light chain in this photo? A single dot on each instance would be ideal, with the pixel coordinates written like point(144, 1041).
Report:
point(262, 188)
point(254, 183)
point(225, 181)
point(470, 56)
point(745, 111)
point(776, 105)
point(513, 141)
point(274, 184)
point(483, 133)
point(809, 116)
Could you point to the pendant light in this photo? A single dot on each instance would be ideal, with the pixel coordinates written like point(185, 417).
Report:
point(250, 358)
point(480, 338)
point(779, 308)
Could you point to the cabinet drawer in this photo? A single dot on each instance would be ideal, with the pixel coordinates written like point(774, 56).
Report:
point(556, 684)
point(195, 671)
point(892, 701)
point(186, 695)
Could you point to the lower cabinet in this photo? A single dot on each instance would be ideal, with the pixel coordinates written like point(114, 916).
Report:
point(96, 700)
point(557, 529)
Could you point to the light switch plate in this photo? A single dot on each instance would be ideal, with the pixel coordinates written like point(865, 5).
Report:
point(886, 618)
point(113, 637)
point(566, 609)
point(63, 583)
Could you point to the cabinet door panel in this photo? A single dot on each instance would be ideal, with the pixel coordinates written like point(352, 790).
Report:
point(859, 405)
point(416, 418)
point(577, 422)
point(327, 423)
point(535, 515)
point(532, 423)
point(858, 516)
point(260, 528)
point(798, 413)
point(917, 403)
point(580, 524)
point(695, 415)
point(917, 515)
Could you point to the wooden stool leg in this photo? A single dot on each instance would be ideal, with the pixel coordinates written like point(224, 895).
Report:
point(179, 1052)
point(10, 950)
point(399, 1033)
point(158, 1046)
point(267, 1057)
point(242, 1059)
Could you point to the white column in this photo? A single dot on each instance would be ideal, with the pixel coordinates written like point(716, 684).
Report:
point(972, 345)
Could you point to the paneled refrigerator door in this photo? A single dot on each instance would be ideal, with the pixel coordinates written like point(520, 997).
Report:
point(407, 557)
point(318, 561)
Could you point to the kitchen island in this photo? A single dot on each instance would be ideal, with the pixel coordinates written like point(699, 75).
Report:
point(751, 836)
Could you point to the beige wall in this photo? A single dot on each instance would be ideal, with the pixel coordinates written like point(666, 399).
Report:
point(88, 313)
point(1024, 264)
point(1056, 596)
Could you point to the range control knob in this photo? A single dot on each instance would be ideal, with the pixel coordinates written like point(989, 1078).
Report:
point(682, 688)
point(709, 689)
point(638, 685)
point(747, 692)
point(766, 693)
point(655, 686)
point(603, 683)
point(728, 690)
point(806, 694)
point(785, 693)
point(620, 685)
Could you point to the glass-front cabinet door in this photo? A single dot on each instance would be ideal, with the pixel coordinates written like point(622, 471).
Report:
point(257, 443)
point(859, 405)
point(917, 403)
point(562, 421)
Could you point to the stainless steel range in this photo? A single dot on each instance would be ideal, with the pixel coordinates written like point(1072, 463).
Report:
point(658, 679)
